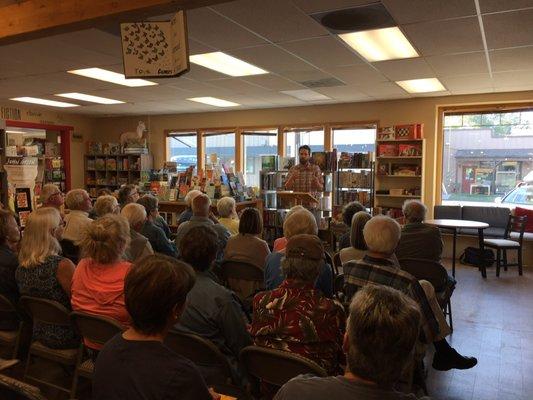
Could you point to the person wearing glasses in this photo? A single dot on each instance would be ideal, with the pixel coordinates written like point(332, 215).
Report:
point(51, 196)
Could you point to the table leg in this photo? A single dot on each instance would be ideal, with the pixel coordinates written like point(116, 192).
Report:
point(482, 255)
point(453, 251)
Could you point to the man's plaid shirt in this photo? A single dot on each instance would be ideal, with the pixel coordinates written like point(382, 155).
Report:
point(381, 271)
point(304, 182)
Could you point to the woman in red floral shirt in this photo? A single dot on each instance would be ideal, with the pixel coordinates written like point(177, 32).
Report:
point(296, 317)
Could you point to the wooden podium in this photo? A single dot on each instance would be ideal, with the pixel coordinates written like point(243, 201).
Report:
point(291, 199)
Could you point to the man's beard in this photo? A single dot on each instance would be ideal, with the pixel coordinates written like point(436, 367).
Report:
point(304, 161)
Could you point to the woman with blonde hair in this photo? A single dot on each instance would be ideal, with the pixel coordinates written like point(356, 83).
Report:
point(227, 213)
point(357, 248)
point(106, 204)
point(98, 282)
point(280, 243)
point(43, 273)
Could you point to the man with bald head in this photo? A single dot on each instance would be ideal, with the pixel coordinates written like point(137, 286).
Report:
point(201, 206)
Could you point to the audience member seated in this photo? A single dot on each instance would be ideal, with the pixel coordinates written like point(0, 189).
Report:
point(9, 243)
point(300, 222)
point(418, 240)
point(43, 273)
point(296, 317)
point(357, 248)
point(99, 193)
point(381, 236)
point(200, 208)
point(281, 243)
point(348, 211)
point(106, 204)
point(379, 342)
point(127, 194)
point(98, 282)
point(156, 236)
point(79, 204)
point(227, 214)
point(187, 213)
point(51, 196)
point(212, 311)
point(136, 365)
point(139, 245)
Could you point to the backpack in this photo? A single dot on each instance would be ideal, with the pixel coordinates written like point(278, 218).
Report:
point(472, 256)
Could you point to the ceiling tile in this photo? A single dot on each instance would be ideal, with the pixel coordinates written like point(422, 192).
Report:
point(146, 93)
point(195, 47)
point(444, 37)
point(237, 86)
point(211, 29)
point(276, 20)
point(383, 89)
point(487, 6)
point(323, 52)
point(462, 90)
point(459, 64)
point(273, 82)
point(306, 75)
point(316, 6)
point(409, 11)
point(466, 82)
point(344, 93)
point(511, 59)
point(519, 88)
point(514, 78)
point(200, 73)
point(412, 68)
point(271, 58)
point(357, 74)
point(94, 40)
point(510, 29)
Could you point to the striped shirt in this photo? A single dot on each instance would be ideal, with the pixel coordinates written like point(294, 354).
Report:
point(305, 179)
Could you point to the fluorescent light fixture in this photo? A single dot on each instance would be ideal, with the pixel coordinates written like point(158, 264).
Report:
point(306, 95)
point(422, 85)
point(213, 101)
point(89, 98)
point(44, 102)
point(226, 64)
point(110, 76)
point(380, 44)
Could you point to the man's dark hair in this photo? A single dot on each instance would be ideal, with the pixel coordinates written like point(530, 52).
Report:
point(149, 202)
point(153, 287)
point(349, 211)
point(305, 147)
point(124, 193)
point(4, 219)
point(199, 247)
point(251, 221)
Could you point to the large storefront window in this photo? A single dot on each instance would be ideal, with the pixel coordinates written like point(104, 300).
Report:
point(354, 140)
point(220, 149)
point(488, 158)
point(182, 149)
point(257, 144)
point(296, 138)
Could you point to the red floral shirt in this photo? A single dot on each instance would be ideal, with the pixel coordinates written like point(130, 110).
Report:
point(297, 318)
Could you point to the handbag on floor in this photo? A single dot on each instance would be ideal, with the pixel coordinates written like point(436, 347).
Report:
point(472, 256)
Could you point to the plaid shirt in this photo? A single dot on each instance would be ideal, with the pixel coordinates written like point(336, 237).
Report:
point(380, 271)
point(305, 181)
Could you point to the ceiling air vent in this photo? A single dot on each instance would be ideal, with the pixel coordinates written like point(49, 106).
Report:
point(322, 83)
point(363, 18)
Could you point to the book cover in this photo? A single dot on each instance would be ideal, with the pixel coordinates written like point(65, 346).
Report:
point(345, 160)
point(387, 150)
point(405, 169)
point(99, 164)
point(268, 163)
point(386, 133)
point(94, 148)
point(319, 158)
point(286, 163)
point(111, 164)
point(114, 148)
point(409, 150)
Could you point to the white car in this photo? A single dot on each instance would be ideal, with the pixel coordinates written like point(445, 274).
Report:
point(520, 196)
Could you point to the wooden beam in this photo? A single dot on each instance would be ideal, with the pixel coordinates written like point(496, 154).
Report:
point(31, 19)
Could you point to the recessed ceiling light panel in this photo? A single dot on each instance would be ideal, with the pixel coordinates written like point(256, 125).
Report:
point(226, 64)
point(380, 44)
point(306, 95)
point(422, 85)
point(213, 101)
point(89, 98)
point(44, 102)
point(110, 76)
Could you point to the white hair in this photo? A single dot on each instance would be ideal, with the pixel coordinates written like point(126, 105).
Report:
point(48, 191)
point(226, 207)
point(189, 197)
point(135, 213)
point(75, 199)
point(382, 234)
point(301, 221)
point(414, 210)
point(106, 204)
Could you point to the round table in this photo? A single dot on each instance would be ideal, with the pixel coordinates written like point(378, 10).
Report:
point(453, 225)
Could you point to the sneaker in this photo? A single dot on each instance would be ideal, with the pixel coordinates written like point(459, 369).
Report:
point(444, 361)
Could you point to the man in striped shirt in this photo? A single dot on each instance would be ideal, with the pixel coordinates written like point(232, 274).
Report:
point(305, 177)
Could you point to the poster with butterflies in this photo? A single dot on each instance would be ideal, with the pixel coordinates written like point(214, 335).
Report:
point(155, 49)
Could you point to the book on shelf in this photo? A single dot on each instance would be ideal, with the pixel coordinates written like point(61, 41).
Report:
point(326, 160)
point(99, 164)
point(354, 160)
point(286, 163)
point(386, 133)
point(405, 169)
point(387, 150)
point(345, 197)
point(400, 132)
point(351, 179)
point(409, 150)
point(111, 164)
point(268, 163)
point(383, 168)
point(94, 148)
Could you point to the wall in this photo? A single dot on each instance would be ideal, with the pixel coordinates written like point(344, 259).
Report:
point(421, 109)
point(82, 126)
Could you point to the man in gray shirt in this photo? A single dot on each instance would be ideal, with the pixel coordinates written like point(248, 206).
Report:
point(381, 334)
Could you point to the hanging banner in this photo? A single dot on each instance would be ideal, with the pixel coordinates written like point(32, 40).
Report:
point(155, 49)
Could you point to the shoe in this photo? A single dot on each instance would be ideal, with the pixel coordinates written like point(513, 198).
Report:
point(444, 361)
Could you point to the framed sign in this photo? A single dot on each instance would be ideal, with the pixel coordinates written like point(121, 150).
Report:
point(154, 49)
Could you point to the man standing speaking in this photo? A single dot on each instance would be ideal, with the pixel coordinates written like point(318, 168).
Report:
point(305, 177)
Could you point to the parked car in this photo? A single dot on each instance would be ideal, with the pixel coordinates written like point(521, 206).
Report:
point(521, 196)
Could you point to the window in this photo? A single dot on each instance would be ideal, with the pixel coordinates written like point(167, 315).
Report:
point(257, 144)
point(354, 140)
point(182, 149)
point(488, 158)
point(220, 149)
point(299, 137)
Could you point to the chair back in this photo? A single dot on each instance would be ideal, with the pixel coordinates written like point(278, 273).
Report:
point(14, 389)
point(516, 223)
point(241, 271)
point(277, 367)
point(70, 250)
point(429, 270)
point(200, 351)
point(337, 263)
point(7, 309)
point(95, 328)
point(46, 311)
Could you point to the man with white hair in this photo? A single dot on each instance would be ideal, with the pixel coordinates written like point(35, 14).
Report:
point(79, 204)
point(51, 196)
point(376, 268)
point(187, 213)
point(139, 246)
point(418, 240)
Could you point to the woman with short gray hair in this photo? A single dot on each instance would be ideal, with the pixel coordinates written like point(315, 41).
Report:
point(358, 246)
point(227, 213)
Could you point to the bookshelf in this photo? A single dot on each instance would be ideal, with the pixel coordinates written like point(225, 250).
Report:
point(3, 175)
point(354, 179)
point(112, 171)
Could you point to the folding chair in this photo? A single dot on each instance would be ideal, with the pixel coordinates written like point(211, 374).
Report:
point(10, 338)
